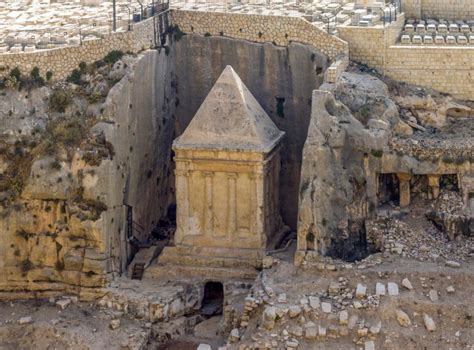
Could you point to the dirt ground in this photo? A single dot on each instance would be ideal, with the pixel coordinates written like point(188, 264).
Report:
point(79, 326)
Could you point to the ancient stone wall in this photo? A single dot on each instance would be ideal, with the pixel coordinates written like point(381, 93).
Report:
point(62, 61)
point(447, 69)
point(439, 9)
point(368, 45)
point(280, 30)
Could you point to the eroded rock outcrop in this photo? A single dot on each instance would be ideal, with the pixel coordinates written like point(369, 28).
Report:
point(333, 191)
point(359, 154)
point(71, 158)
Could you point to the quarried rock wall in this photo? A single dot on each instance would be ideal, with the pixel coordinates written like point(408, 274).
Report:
point(280, 78)
point(66, 231)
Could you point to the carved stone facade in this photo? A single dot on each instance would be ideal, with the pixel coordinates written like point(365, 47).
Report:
point(226, 198)
point(227, 179)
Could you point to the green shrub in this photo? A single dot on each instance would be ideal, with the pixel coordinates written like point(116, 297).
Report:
point(82, 66)
point(113, 56)
point(59, 100)
point(49, 75)
point(69, 133)
point(75, 77)
point(15, 73)
point(207, 34)
point(94, 97)
point(11, 82)
point(35, 73)
point(376, 153)
point(176, 31)
point(36, 78)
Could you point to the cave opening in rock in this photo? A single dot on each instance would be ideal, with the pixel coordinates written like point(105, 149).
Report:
point(213, 299)
point(310, 244)
point(354, 247)
point(388, 190)
point(449, 182)
point(419, 186)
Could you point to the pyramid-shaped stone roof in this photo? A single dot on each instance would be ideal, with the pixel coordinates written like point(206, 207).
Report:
point(230, 118)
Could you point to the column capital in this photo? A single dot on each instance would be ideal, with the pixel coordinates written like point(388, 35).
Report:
point(208, 173)
point(404, 176)
point(181, 172)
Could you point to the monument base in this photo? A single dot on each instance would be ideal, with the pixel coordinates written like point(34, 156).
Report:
point(206, 263)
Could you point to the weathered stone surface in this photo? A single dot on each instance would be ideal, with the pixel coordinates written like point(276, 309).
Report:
point(429, 323)
point(114, 324)
point(311, 332)
point(326, 307)
point(73, 250)
point(204, 347)
point(63, 303)
point(25, 320)
point(375, 329)
point(369, 345)
point(402, 318)
point(407, 284)
point(343, 317)
point(361, 291)
point(269, 316)
point(454, 264)
point(294, 311)
point(433, 295)
point(380, 289)
point(392, 289)
point(314, 302)
point(334, 131)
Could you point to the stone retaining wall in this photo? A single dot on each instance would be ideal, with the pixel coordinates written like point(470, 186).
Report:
point(62, 61)
point(439, 9)
point(280, 30)
point(368, 45)
point(447, 69)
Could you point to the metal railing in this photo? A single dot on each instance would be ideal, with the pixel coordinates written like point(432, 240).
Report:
point(394, 7)
point(151, 10)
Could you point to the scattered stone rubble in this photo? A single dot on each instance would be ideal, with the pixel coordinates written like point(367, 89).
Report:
point(432, 245)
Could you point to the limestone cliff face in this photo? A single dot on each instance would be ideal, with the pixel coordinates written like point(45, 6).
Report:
point(337, 153)
point(332, 192)
point(65, 228)
point(281, 79)
point(356, 134)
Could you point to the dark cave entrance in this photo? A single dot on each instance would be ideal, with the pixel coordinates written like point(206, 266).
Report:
point(310, 244)
point(449, 182)
point(354, 247)
point(213, 299)
point(388, 189)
